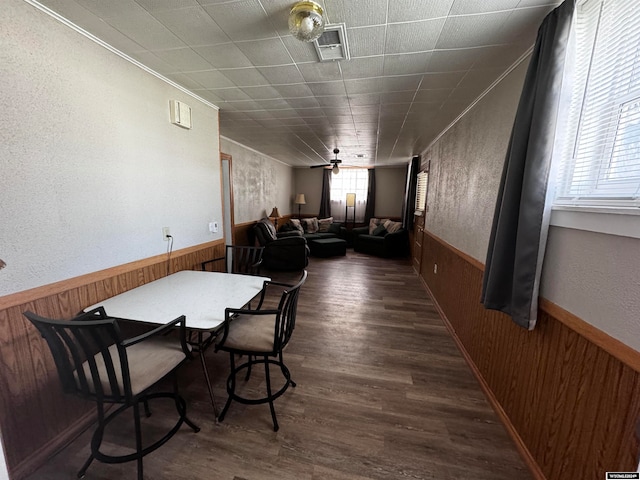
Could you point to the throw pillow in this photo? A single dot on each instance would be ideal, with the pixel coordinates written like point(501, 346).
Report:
point(379, 231)
point(373, 223)
point(392, 227)
point(295, 223)
point(324, 224)
point(310, 225)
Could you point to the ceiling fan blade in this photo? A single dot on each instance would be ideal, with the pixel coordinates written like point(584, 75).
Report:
point(320, 166)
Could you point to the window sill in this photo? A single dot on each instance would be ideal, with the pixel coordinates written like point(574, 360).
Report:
point(624, 222)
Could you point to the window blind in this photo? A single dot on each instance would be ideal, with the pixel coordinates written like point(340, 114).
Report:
point(421, 193)
point(601, 163)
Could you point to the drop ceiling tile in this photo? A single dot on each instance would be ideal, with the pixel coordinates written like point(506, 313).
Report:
point(267, 52)
point(287, 112)
point(406, 64)
point(337, 111)
point(282, 75)
point(368, 110)
point(210, 79)
point(364, 99)
point(453, 60)
point(441, 80)
point(210, 96)
point(192, 25)
point(182, 79)
point(245, 77)
point(243, 20)
point(412, 10)
point(398, 97)
point(522, 25)
point(356, 13)
point(484, 76)
point(247, 106)
point(230, 94)
point(328, 88)
point(401, 83)
point(366, 41)
point(436, 95)
point(472, 30)
point(163, 5)
point(333, 100)
point(300, 52)
point(413, 37)
point(300, 90)
point(108, 9)
point(144, 29)
point(155, 63)
point(307, 102)
point(183, 59)
point(535, 3)
point(262, 93)
point(362, 67)
point(273, 105)
point(465, 7)
point(320, 72)
point(225, 55)
point(499, 56)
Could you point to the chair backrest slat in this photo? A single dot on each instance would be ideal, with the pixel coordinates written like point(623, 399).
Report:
point(288, 307)
point(243, 259)
point(83, 354)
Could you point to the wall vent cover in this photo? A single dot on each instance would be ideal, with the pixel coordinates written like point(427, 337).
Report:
point(332, 44)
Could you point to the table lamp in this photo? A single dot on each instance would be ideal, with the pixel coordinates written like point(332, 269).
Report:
point(300, 200)
point(275, 214)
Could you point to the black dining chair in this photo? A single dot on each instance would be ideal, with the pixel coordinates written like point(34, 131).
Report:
point(239, 259)
point(95, 363)
point(262, 335)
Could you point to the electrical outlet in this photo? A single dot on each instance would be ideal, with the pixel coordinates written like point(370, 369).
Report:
point(435, 268)
point(166, 233)
point(213, 227)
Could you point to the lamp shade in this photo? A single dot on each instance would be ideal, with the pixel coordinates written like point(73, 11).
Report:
point(300, 200)
point(306, 22)
point(351, 199)
point(274, 213)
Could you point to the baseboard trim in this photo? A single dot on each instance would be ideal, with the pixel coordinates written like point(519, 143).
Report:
point(493, 401)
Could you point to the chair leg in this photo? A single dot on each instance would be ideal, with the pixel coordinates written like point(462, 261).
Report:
point(181, 406)
point(96, 440)
point(147, 410)
point(250, 362)
point(136, 418)
point(231, 387)
point(269, 395)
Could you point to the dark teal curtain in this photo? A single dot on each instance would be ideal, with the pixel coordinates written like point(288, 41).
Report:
point(521, 220)
point(370, 210)
point(325, 198)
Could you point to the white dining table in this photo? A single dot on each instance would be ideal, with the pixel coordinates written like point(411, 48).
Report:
point(201, 297)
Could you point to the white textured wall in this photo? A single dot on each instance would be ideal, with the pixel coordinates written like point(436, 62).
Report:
point(466, 165)
point(309, 182)
point(259, 183)
point(91, 168)
point(390, 191)
point(592, 275)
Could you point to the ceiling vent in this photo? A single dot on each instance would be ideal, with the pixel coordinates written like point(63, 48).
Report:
point(332, 44)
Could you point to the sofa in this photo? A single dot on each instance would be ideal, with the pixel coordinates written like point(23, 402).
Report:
point(282, 251)
point(314, 228)
point(383, 237)
point(325, 237)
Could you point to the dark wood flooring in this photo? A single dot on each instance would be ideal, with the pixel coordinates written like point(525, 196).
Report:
point(383, 393)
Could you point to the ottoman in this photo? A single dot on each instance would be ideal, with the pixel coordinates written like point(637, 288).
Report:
point(328, 247)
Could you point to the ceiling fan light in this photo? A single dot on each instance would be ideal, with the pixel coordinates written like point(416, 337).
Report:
point(306, 22)
point(335, 169)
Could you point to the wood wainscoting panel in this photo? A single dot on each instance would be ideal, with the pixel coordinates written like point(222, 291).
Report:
point(36, 417)
point(572, 405)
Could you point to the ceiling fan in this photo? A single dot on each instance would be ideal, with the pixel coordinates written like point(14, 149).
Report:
point(335, 162)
